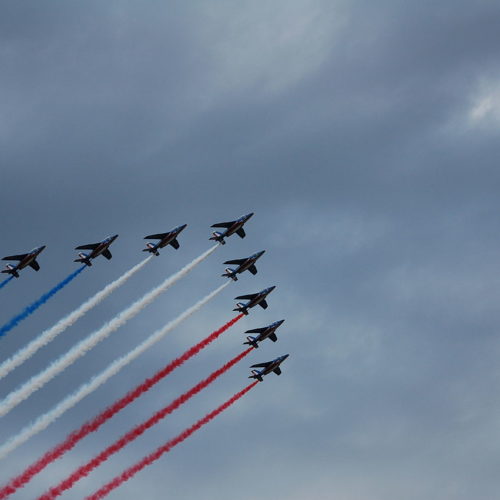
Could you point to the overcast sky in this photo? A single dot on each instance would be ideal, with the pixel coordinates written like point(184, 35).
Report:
point(364, 136)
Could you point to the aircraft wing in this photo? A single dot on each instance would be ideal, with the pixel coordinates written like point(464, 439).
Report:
point(241, 232)
point(255, 330)
point(246, 297)
point(15, 257)
point(253, 269)
point(106, 253)
point(261, 365)
point(35, 265)
point(158, 236)
point(273, 337)
point(263, 304)
point(238, 262)
point(277, 370)
point(175, 244)
point(224, 224)
point(90, 246)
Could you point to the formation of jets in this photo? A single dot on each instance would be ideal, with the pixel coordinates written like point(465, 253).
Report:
point(170, 238)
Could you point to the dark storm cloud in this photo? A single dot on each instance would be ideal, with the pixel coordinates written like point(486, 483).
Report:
point(347, 128)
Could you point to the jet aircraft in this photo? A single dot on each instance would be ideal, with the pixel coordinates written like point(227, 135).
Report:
point(169, 238)
point(234, 226)
point(25, 259)
point(264, 333)
point(270, 366)
point(243, 265)
point(253, 300)
point(101, 248)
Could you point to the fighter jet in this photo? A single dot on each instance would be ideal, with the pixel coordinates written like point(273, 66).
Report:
point(253, 300)
point(234, 226)
point(169, 238)
point(270, 366)
point(264, 333)
point(243, 265)
point(101, 248)
point(25, 259)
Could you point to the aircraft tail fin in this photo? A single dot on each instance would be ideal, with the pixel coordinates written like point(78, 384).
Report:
point(229, 273)
point(256, 375)
point(216, 236)
point(251, 341)
point(241, 308)
point(151, 248)
point(84, 259)
point(11, 270)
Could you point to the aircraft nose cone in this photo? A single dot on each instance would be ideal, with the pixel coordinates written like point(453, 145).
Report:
point(183, 227)
point(271, 288)
point(284, 357)
point(42, 247)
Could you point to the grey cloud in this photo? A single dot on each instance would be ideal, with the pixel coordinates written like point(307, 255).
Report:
point(375, 198)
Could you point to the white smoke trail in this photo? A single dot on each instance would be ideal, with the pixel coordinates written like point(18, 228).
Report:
point(46, 419)
point(48, 335)
point(38, 381)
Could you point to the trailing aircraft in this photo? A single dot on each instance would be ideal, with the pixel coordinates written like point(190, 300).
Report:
point(264, 333)
point(25, 259)
point(100, 248)
point(247, 264)
point(253, 299)
point(168, 238)
point(270, 366)
point(234, 226)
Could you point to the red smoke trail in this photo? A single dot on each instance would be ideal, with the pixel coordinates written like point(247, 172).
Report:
point(149, 459)
point(92, 425)
point(138, 430)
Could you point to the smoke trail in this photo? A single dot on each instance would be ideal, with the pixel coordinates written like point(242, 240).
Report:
point(138, 430)
point(149, 459)
point(44, 298)
point(5, 281)
point(45, 420)
point(48, 335)
point(94, 424)
point(38, 381)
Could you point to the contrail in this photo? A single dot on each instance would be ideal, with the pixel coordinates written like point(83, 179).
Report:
point(92, 425)
point(149, 459)
point(38, 381)
point(5, 281)
point(48, 335)
point(138, 430)
point(44, 298)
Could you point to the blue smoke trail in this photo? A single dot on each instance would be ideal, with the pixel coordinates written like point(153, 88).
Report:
point(33, 307)
point(4, 282)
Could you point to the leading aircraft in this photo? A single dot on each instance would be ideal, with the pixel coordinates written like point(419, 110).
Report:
point(270, 366)
point(243, 265)
point(25, 259)
point(234, 226)
point(264, 333)
point(169, 238)
point(253, 300)
point(101, 248)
